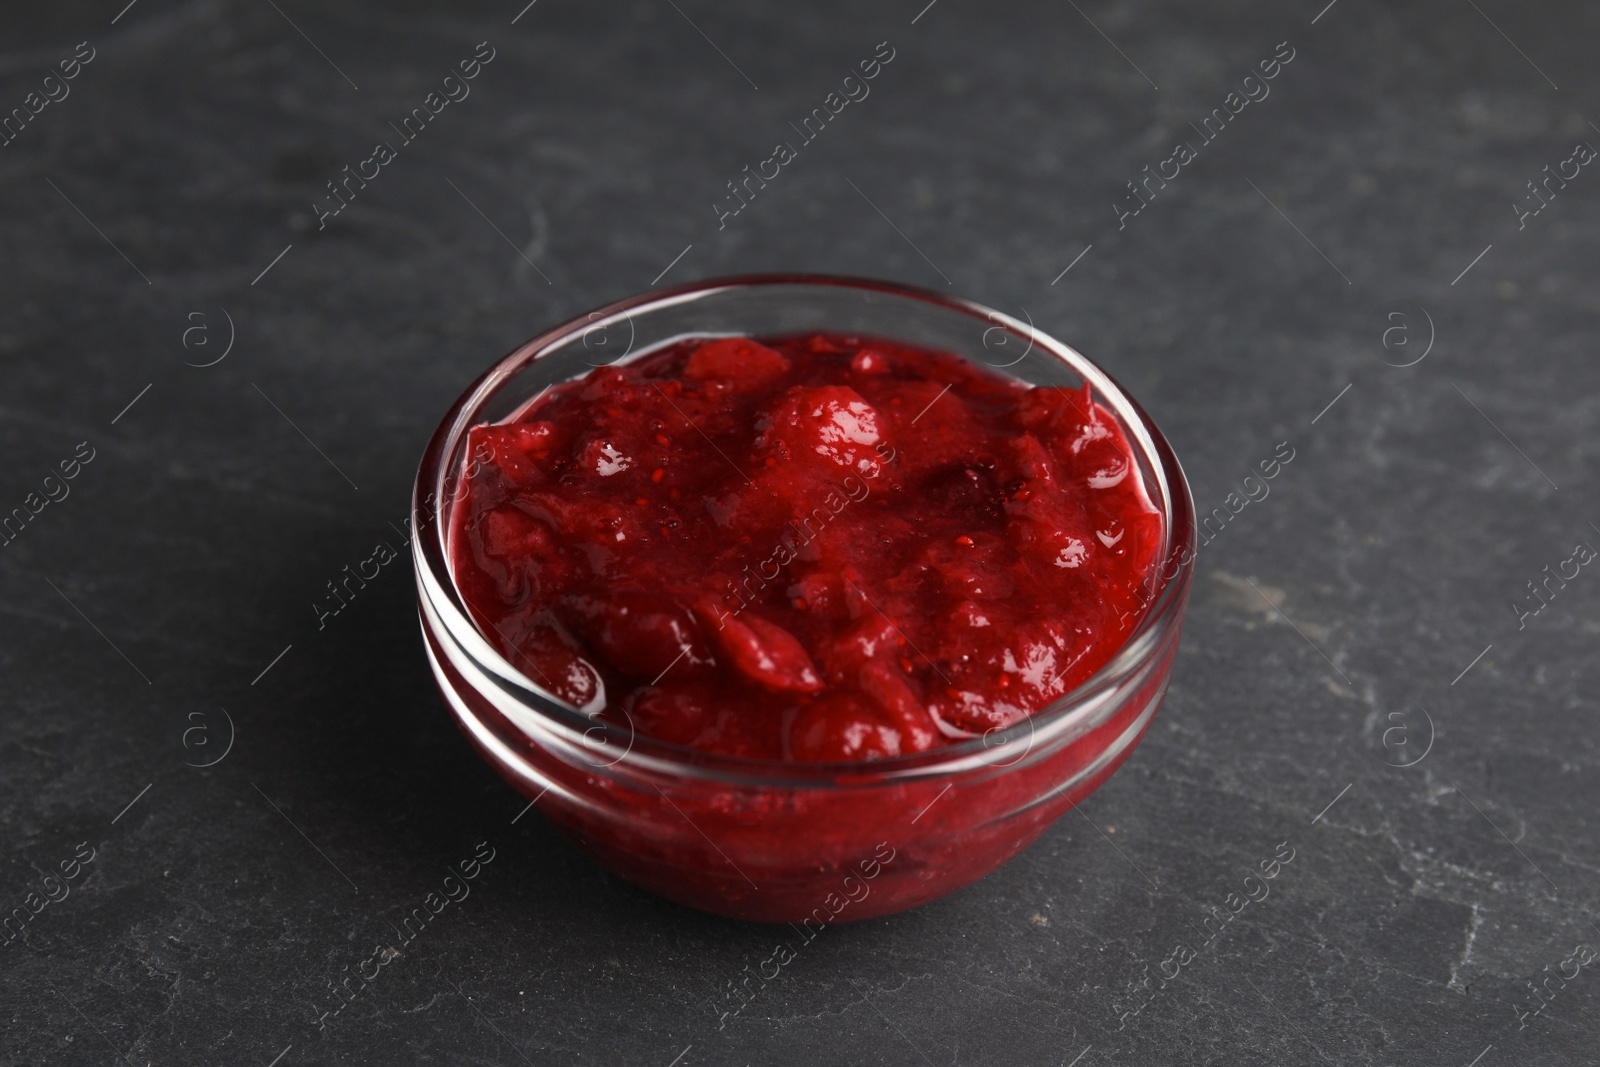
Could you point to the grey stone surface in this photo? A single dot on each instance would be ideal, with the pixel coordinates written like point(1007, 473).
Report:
point(208, 926)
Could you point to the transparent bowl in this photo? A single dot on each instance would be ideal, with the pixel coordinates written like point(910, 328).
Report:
point(806, 843)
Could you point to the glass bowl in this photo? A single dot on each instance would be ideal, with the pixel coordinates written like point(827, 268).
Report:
point(803, 843)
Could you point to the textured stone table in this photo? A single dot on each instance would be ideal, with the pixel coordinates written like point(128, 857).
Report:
point(1357, 680)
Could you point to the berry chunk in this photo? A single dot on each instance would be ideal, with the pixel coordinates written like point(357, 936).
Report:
point(767, 654)
point(741, 363)
point(638, 634)
point(833, 422)
point(842, 727)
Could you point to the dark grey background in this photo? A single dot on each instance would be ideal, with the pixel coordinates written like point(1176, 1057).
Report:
point(190, 551)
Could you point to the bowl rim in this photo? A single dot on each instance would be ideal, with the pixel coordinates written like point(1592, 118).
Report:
point(1067, 716)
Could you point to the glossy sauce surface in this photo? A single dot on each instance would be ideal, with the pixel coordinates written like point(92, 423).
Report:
point(805, 548)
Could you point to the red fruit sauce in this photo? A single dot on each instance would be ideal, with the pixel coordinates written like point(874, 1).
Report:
point(818, 547)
